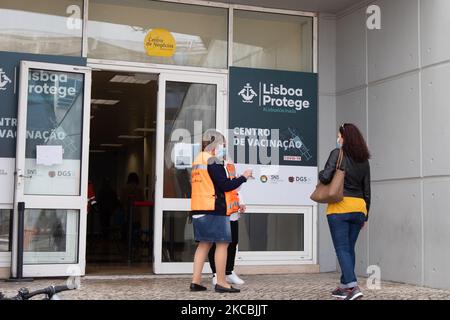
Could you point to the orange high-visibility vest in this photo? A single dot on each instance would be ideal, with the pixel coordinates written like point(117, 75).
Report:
point(203, 195)
point(232, 197)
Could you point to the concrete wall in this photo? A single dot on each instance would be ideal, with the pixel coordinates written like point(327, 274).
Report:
point(327, 132)
point(393, 83)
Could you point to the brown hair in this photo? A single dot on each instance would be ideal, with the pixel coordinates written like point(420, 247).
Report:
point(354, 144)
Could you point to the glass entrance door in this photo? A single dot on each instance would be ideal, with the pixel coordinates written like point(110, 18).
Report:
point(51, 168)
point(188, 104)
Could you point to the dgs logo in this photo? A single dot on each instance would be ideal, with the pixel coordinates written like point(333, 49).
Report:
point(64, 173)
point(299, 179)
point(61, 173)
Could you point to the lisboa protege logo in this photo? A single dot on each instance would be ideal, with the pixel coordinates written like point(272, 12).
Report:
point(276, 97)
point(247, 94)
point(4, 80)
point(51, 83)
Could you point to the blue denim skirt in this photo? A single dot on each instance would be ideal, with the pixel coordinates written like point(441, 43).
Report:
point(212, 228)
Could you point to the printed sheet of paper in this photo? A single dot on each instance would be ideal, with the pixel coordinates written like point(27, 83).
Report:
point(49, 155)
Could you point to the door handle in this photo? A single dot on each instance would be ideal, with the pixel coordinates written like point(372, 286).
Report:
point(24, 176)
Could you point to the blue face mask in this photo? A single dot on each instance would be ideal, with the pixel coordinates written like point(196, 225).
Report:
point(338, 145)
point(221, 152)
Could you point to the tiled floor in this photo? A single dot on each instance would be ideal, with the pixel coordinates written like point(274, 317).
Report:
point(257, 287)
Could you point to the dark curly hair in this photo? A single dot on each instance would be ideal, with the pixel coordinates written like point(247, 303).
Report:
point(354, 144)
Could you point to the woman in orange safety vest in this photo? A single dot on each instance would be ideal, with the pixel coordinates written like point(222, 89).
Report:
point(211, 223)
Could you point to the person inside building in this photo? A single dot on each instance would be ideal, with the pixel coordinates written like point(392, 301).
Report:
point(209, 209)
point(92, 201)
point(92, 208)
point(108, 204)
point(130, 193)
point(235, 207)
point(347, 217)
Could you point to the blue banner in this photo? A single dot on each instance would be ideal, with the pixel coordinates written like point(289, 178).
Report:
point(53, 112)
point(9, 82)
point(264, 100)
point(273, 131)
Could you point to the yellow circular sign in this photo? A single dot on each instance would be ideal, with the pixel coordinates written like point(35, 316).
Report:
point(159, 42)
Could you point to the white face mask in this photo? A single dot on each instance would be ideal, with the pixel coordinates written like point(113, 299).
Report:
point(220, 152)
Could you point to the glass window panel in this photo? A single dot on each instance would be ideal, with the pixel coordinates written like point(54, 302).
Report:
point(43, 27)
point(178, 243)
point(200, 33)
point(271, 232)
point(272, 41)
point(50, 236)
point(186, 103)
point(5, 230)
point(54, 127)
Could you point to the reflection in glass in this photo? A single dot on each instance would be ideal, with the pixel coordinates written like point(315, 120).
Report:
point(271, 232)
point(54, 118)
point(50, 236)
point(200, 32)
point(5, 230)
point(186, 104)
point(42, 27)
point(178, 243)
point(272, 41)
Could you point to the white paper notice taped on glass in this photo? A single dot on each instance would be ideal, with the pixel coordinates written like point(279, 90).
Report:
point(49, 155)
point(183, 155)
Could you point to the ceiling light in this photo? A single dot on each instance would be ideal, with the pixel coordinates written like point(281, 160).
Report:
point(111, 145)
point(104, 101)
point(124, 136)
point(144, 130)
point(129, 79)
point(146, 76)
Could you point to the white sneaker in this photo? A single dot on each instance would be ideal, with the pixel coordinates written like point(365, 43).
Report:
point(214, 279)
point(234, 279)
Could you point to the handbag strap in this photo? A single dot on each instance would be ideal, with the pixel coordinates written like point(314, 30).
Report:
point(340, 158)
